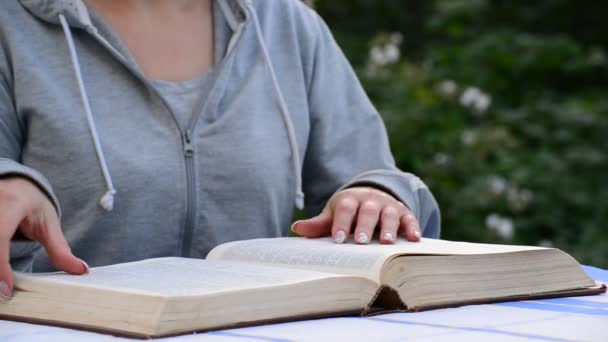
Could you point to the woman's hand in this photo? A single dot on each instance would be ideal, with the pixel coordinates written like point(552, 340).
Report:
point(364, 208)
point(24, 207)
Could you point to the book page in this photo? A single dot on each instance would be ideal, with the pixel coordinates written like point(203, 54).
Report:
point(171, 277)
point(313, 254)
point(349, 258)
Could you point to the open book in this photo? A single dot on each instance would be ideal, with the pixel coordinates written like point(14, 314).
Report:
point(269, 280)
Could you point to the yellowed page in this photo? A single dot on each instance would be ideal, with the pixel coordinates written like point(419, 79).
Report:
point(170, 277)
point(326, 256)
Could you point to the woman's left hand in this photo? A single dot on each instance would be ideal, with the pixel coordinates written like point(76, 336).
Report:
point(364, 208)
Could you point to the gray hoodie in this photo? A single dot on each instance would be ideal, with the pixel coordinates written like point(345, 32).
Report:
point(285, 117)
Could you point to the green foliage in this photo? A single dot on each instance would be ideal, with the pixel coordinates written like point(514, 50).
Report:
point(500, 106)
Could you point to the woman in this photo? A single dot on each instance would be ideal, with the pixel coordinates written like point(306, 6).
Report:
point(156, 127)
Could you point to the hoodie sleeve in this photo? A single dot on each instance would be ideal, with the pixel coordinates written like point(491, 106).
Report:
point(348, 144)
point(11, 140)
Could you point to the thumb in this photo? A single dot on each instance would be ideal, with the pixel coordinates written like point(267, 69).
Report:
point(58, 249)
point(314, 227)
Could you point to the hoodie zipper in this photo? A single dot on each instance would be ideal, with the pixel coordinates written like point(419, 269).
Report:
point(189, 156)
point(186, 243)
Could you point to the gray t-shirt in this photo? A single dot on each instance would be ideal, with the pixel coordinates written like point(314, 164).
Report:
point(185, 98)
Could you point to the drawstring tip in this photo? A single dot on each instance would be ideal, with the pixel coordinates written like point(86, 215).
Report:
point(300, 200)
point(107, 200)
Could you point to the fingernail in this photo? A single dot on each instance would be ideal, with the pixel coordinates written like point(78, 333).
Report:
point(293, 226)
point(86, 266)
point(417, 233)
point(340, 237)
point(5, 291)
point(388, 237)
point(363, 238)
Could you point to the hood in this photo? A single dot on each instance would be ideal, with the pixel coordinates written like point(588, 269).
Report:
point(75, 11)
point(77, 15)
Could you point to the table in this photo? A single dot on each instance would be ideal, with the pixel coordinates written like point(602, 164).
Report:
point(556, 320)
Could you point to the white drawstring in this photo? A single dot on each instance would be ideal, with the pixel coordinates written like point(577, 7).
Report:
point(295, 155)
point(107, 200)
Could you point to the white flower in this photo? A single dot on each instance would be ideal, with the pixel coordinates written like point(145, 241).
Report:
point(448, 87)
point(441, 159)
point(482, 103)
point(503, 226)
point(492, 220)
point(469, 96)
point(376, 56)
point(396, 38)
point(474, 98)
point(392, 53)
point(387, 53)
point(519, 199)
point(546, 243)
point(505, 229)
point(497, 184)
point(526, 195)
point(469, 137)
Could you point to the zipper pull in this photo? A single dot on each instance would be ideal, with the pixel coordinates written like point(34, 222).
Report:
point(188, 148)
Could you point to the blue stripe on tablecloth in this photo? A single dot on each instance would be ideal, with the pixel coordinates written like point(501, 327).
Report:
point(254, 337)
point(469, 329)
point(18, 336)
point(556, 308)
point(596, 273)
point(577, 302)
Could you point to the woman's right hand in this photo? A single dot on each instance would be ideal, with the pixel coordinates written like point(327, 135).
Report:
point(25, 208)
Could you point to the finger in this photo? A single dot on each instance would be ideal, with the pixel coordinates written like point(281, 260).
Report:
point(58, 249)
point(410, 227)
point(367, 219)
point(389, 224)
point(10, 216)
point(314, 227)
point(6, 278)
point(344, 215)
